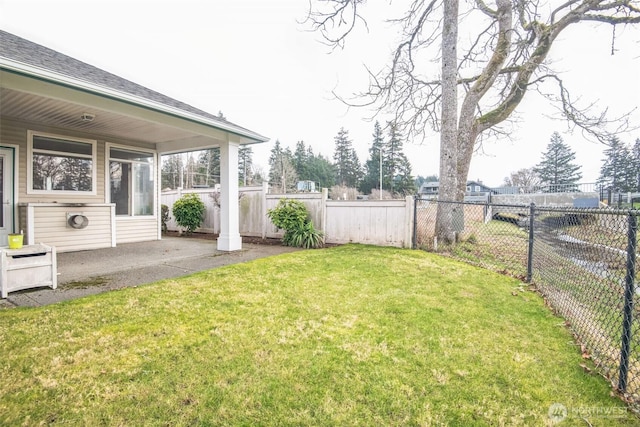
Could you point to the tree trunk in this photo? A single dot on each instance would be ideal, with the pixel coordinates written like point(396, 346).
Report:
point(445, 230)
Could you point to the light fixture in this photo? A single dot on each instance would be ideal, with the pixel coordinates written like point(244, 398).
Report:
point(87, 117)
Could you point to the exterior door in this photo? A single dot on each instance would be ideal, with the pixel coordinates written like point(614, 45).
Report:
point(6, 194)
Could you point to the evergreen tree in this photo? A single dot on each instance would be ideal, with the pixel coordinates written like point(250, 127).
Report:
point(371, 177)
point(191, 172)
point(301, 161)
point(209, 167)
point(245, 165)
point(395, 165)
point(171, 170)
point(615, 171)
point(635, 165)
point(557, 170)
point(348, 169)
point(282, 174)
point(274, 157)
point(321, 171)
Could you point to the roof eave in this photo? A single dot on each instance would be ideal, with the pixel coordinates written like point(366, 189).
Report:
point(57, 78)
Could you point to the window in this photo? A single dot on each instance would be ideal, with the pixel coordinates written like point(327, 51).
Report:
point(131, 181)
point(60, 164)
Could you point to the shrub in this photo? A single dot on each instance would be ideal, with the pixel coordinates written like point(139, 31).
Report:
point(164, 209)
point(341, 192)
point(188, 211)
point(292, 217)
point(307, 237)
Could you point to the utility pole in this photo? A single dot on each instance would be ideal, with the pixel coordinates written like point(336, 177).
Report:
point(380, 173)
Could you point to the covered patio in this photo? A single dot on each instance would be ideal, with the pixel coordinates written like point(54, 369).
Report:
point(96, 271)
point(58, 111)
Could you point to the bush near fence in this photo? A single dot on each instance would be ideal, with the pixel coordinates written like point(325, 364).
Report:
point(375, 222)
point(582, 260)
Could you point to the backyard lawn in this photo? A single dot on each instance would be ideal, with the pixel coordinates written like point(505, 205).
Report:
point(351, 335)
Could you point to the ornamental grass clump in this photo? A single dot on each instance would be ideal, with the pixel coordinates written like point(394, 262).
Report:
point(188, 211)
point(292, 216)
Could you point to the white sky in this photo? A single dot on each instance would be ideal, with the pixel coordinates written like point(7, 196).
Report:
point(252, 60)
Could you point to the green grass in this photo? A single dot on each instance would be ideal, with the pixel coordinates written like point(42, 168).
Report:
point(352, 335)
point(484, 244)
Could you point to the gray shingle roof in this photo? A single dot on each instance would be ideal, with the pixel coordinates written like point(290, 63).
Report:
point(24, 51)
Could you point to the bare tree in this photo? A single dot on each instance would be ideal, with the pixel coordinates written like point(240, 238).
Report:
point(502, 56)
point(527, 179)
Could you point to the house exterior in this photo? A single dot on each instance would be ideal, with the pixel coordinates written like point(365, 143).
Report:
point(80, 152)
point(474, 189)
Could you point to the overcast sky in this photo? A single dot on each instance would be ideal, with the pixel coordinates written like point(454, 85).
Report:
point(252, 60)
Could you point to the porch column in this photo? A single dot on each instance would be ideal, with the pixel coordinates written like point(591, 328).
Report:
point(229, 239)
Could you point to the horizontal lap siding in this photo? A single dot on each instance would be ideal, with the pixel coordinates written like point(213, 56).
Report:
point(130, 230)
point(50, 227)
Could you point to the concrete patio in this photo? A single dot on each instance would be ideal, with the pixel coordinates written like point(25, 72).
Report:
point(96, 271)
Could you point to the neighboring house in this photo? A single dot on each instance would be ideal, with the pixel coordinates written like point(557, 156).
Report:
point(429, 188)
point(477, 187)
point(80, 152)
point(474, 188)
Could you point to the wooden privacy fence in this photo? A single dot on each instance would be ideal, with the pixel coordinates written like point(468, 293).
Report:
point(376, 222)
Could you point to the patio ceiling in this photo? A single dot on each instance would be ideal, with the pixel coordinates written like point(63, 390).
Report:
point(36, 100)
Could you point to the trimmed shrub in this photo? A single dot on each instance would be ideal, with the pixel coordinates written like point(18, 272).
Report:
point(188, 211)
point(292, 217)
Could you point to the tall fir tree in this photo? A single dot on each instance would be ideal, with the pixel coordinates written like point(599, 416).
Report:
point(614, 172)
point(282, 174)
point(209, 167)
point(557, 169)
point(274, 156)
point(171, 171)
point(245, 165)
point(635, 165)
point(371, 177)
point(347, 165)
point(396, 166)
point(300, 160)
point(321, 171)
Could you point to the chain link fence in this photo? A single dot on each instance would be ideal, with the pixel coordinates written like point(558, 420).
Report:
point(582, 260)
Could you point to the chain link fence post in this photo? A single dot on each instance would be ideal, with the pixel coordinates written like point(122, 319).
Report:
point(628, 301)
point(532, 211)
point(414, 243)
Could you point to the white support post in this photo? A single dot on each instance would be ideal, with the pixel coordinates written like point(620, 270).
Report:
point(265, 223)
point(229, 239)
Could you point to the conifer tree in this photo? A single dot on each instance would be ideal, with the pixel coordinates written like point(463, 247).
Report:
point(282, 174)
point(557, 169)
point(245, 165)
point(635, 165)
point(209, 167)
point(321, 171)
point(396, 166)
point(348, 169)
point(371, 178)
point(615, 171)
point(172, 167)
point(301, 161)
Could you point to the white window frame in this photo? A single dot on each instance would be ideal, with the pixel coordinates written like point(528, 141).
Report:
point(107, 190)
point(93, 158)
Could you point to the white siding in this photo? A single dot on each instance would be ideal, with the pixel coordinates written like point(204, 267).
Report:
point(132, 229)
point(47, 223)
